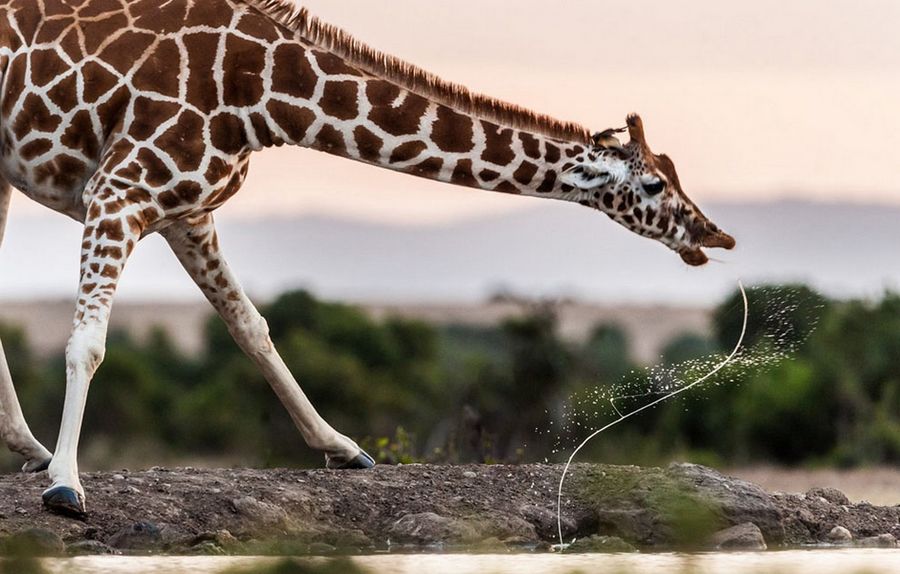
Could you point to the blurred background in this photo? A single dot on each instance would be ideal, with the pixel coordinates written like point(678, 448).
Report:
point(452, 325)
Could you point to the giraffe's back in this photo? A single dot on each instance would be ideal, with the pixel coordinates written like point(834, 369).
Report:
point(80, 76)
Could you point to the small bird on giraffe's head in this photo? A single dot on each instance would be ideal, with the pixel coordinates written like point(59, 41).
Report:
point(607, 139)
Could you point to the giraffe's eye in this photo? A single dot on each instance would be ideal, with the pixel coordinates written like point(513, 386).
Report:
point(655, 187)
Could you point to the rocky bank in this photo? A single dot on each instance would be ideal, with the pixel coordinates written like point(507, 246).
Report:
point(422, 507)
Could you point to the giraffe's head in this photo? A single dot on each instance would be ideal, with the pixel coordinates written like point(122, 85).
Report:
point(640, 190)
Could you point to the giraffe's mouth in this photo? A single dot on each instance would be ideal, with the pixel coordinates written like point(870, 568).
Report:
point(713, 238)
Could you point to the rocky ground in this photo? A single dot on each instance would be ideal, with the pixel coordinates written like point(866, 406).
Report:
point(474, 508)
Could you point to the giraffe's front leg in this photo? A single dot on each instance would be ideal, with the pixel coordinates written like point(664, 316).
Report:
point(113, 228)
point(197, 247)
point(13, 429)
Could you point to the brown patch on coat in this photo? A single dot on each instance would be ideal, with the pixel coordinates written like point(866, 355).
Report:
point(549, 183)
point(334, 65)
point(293, 74)
point(149, 114)
point(121, 53)
point(98, 7)
point(431, 167)
point(71, 46)
point(52, 30)
point(402, 120)
point(530, 145)
point(35, 148)
point(507, 187)
point(182, 141)
point(80, 135)
point(57, 8)
point(257, 26)
point(368, 144)
point(14, 79)
point(261, 131)
point(155, 171)
point(65, 93)
point(217, 169)
point(462, 174)
point(159, 73)
point(340, 100)
point(553, 153)
point(408, 151)
point(46, 66)
point(97, 81)
point(488, 175)
point(111, 229)
point(35, 116)
point(453, 132)
point(498, 145)
point(243, 64)
point(331, 140)
point(159, 16)
point(227, 133)
point(202, 89)
point(111, 112)
point(292, 120)
point(207, 14)
point(98, 31)
point(525, 173)
point(188, 191)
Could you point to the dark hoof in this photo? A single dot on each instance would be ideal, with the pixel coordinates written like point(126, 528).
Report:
point(64, 500)
point(35, 466)
point(361, 462)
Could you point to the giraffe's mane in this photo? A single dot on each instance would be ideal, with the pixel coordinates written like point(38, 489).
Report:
point(413, 78)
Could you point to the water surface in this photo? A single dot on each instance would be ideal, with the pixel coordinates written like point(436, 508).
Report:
point(787, 562)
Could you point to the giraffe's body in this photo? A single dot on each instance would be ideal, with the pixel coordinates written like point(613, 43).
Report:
point(139, 116)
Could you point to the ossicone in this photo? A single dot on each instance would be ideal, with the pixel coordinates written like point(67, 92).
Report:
point(636, 129)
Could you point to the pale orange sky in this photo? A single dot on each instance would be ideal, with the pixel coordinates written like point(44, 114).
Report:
point(753, 100)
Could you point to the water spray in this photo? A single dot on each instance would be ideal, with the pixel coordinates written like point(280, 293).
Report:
point(737, 349)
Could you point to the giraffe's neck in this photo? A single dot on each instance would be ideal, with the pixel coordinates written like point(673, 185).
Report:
point(316, 100)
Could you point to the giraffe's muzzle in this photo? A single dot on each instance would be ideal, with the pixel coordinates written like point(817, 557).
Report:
point(713, 238)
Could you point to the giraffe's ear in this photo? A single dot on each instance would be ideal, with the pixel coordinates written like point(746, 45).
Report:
point(586, 177)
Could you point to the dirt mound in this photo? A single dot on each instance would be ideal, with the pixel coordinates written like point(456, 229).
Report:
point(427, 507)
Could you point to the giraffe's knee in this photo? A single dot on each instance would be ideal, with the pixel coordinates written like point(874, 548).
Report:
point(86, 349)
point(253, 335)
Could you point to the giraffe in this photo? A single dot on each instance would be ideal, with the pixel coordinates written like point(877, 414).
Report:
point(136, 117)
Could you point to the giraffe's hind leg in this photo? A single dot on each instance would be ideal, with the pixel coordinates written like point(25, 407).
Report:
point(13, 429)
point(197, 247)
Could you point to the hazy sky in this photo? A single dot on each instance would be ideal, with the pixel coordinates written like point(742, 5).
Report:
point(752, 100)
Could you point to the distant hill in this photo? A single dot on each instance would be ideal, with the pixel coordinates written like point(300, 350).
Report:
point(560, 250)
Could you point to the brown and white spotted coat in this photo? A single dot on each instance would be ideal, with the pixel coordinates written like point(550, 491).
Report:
point(137, 117)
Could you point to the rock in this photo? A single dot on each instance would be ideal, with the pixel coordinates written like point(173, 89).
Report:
point(221, 538)
point(470, 474)
point(89, 548)
point(428, 528)
point(600, 544)
point(259, 512)
point(351, 539)
point(832, 495)
point(839, 535)
point(34, 542)
point(745, 536)
point(321, 549)
point(519, 543)
point(545, 523)
point(738, 501)
point(138, 536)
point(880, 541)
point(206, 548)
